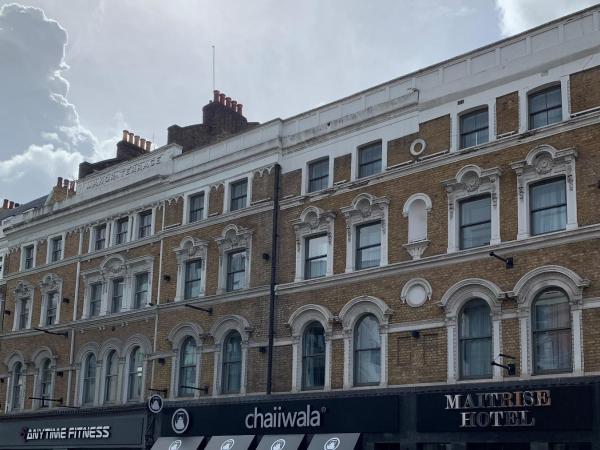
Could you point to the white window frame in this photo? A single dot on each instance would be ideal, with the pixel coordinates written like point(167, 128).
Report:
point(365, 208)
point(190, 249)
point(349, 315)
point(49, 249)
point(472, 181)
point(23, 291)
point(186, 206)
point(219, 332)
point(38, 362)
point(114, 229)
point(526, 291)
point(93, 231)
point(2, 264)
point(177, 337)
point(452, 301)
point(227, 193)
point(81, 360)
point(233, 239)
point(108, 347)
point(545, 162)
point(12, 361)
point(136, 224)
point(313, 221)
point(50, 284)
point(297, 323)
point(354, 166)
point(306, 175)
point(145, 347)
point(416, 247)
point(34, 262)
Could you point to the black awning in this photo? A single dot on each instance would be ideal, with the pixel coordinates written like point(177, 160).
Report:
point(178, 443)
point(341, 441)
point(281, 442)
point(241, 442)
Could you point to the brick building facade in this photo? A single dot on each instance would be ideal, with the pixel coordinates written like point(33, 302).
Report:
point(160, 272)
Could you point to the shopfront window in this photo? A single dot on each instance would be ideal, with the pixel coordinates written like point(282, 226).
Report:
point(232, 364)
point(552, 332)
point(475, 331)
point(187, 368)
point(367, 351)
point(136, 367)
point(313, 357)
point(112, 373)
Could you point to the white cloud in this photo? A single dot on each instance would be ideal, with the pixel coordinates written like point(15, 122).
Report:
point(519, 15)
point(42, 136)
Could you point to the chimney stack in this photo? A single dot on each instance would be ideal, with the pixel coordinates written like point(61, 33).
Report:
point(216, 96)
point(222, 99)
point(59, 182)
point(5, 204)
point(239, 108)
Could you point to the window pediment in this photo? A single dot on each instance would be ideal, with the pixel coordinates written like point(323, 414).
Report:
point(191, 248)
point(313, 220)
point(51, 283)
point(23, 289)
point(365, 206)
point(234, 237)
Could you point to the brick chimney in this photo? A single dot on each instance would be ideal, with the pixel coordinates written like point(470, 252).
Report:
point(8, 204)
point(221, 117)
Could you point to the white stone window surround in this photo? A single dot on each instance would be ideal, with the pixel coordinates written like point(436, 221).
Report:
point(416, 292)
point(313, 221)
point(453, 301)
point(227, 191)
point(349, 316)
point(365, 208)
point(297, 323)
point(526, 291)
point(141, 341)
point(2, 264)
point(177, 337)
point(50, 284)
point(186, 205)
point(113, 267)
point(93, 231)
point(114, 229)
point(541, 163)
point(39, 358)
point(219, 331)
point(455, 117)
point(15, 358)
point(525, 92)
point(233, 239)
point(136, 223)
point(108, 347)
point(355, 159)
point(306, 173)
point(88, 349)
point(417, 241)
point(24, 291)
point(34, 262)
point(190, 249)
point(472, 181)
point(49, 248)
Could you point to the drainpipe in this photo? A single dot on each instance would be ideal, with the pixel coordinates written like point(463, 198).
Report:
point(275, 223)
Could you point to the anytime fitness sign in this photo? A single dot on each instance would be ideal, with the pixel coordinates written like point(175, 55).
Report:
point(563, 408)
point(66, 433)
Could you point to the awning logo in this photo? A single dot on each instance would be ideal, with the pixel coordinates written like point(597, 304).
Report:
point(180, 421)
point(175, 445)
point(331, 444)
point(278, 444)
point(228, 444)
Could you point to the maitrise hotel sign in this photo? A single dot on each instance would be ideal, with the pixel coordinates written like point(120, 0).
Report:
point(544, 409)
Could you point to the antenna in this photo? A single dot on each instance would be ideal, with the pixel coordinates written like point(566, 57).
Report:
point(213, 65)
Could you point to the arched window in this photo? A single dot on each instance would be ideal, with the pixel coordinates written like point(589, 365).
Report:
point(313, 357)
point(232, 364)
point(17, 386)
point(111, 377)
point(136, 368)
point(551, 326)
point(475, 340)
point(45, 383)
point(187, 367)
point(367, 351)
point(89, 380)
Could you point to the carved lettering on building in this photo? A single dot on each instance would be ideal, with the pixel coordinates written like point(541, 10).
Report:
point(120, 173)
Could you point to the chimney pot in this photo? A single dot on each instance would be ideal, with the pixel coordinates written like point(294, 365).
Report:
point(148, 146)
point(143, 143)
point(11, 204)
point(137, 140)
point(72, 186)
point(5, 204)
point(234, 105)
point(228, 102)
point(59, 182)
point(125, 134)
point(216, 96)
point(239, 108)
point(130, 137)
point(65, 183)
point(17, 205)
point(222, 99)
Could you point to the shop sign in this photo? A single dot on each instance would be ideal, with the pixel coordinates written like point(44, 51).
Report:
point(547, 408)
point(280, 418)
point(155, 404)
point(66, 433)
point(180, 421)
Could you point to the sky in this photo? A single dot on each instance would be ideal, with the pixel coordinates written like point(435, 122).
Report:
point(74, 74)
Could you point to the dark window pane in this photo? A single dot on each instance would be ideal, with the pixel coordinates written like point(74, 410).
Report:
point(187, 368)
point(545, 107)
point(474, 128)
point(318, 175)
point(548, 206)
point(145, 225)
point(475, 222)
point(313, 357)
point(232, 364)
point(122, 229)
point(100, 242)
point(239, 192)
point(368, 245)
point(316, 256)
point(193, 276)
point(196, 211)
point(141, 290)
point(367, 351)
point(369, 160)
point(475, 336)
point(117, 295)
point(552, 332)
point(236, 271)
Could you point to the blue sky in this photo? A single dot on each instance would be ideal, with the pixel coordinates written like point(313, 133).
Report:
point(73, 74)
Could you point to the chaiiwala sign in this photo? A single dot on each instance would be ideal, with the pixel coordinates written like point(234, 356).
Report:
point(557, 408)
